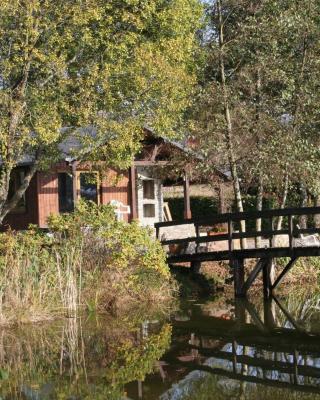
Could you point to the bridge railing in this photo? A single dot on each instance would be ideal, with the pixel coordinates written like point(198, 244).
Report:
point(231, 219)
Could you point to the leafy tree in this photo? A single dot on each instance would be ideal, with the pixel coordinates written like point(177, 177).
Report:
point(113, 65)
point(257, 107)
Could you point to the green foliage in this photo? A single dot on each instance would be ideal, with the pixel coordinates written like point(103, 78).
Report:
point(134, 363)
point(270, 61)
point(109, 358)
point(112, 65)
point(89, 260)
point(201, 207)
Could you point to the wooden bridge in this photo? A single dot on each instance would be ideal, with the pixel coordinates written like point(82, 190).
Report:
point(255, 349)
point(291, 242)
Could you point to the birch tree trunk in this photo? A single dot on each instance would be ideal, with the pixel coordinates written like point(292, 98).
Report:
point(303, 219)
point(229, 127)
point(258, 141)
point(316, 217)
point(259, 208)
point(284, 200)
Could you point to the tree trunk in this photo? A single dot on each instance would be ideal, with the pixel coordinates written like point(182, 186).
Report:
point(303, 219)
point(229, 128)
point(222, 199)
point(5, 173)
point(259, 208)
point(316, 217)
point(9, 204)
point(284, 200)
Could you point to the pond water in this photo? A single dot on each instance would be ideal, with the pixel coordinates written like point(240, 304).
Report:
point(212, 348)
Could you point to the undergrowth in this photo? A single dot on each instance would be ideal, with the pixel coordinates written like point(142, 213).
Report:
point(89, 260)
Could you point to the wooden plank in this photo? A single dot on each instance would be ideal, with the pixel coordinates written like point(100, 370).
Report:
point(149, 163)
point(196, 239)
point(74, 165)
point(290, 231)
point(253, 379)
point(267, 278)
point(265, 364)
point(186, 196)
point(285, 270)
point(247, 253)
point(271, 236)
point(288, 315)
point(269, 314)
point(253, 275)
point(221, 237)
point(238, 273)
point(234, 356)
point(307, 231)
point(255, 317)
point(280, 339)
point(245, 216)
point(230, 237)
point(133, 194)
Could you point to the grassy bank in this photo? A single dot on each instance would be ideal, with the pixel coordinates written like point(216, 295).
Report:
point(89, 261)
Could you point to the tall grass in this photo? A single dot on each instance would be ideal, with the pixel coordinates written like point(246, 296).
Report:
point(90, 261)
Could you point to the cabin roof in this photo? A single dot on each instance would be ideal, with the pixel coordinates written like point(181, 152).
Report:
point(73, 145)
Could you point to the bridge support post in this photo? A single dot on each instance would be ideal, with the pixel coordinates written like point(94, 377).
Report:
point(195, 267)
point(267, 284)
point(240, 312)
point(269, 313)
point(238, 273)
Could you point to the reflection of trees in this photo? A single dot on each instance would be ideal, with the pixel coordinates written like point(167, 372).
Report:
point(85, 359)
point(261, 342)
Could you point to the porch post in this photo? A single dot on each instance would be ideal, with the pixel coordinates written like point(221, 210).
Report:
point(186, 192)
point(74, 183)
point(133, 192)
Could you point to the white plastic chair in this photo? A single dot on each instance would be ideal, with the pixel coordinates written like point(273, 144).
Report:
point(120, 209)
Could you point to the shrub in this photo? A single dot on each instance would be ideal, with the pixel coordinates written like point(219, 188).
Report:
point(89, 260)
point(200, 207)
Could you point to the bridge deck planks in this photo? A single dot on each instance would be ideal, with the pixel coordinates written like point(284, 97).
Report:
point(276, 252)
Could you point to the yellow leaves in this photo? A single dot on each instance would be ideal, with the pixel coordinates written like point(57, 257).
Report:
point(115, 65)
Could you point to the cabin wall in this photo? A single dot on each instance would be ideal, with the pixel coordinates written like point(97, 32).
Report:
point(42, 196)
point(116, 187)
point(47, 196)
point(19, 221)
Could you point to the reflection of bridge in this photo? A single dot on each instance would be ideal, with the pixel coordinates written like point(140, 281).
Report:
point(198, 249)
point(258, 352)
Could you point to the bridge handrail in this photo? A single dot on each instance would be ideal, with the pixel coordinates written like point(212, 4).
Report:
point(238, 235)
point(234, 217)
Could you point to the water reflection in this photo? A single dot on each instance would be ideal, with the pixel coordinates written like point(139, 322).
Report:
point(79, 359)
point(213, 349)
point(248, 349)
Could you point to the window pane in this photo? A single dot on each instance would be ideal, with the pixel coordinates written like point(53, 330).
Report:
point(65, 190)
point(148, 189)
point(88, 187)
point(149, 210)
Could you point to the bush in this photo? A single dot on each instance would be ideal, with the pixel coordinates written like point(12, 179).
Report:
point(201, 207)
point(90, 260)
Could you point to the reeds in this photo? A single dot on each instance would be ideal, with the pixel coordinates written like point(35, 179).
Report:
point(89, 261)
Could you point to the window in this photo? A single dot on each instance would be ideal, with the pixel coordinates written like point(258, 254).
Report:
point(89, 186)
point(16, 179)
point(65, 190)
point(149, 210)
point(148, 189)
